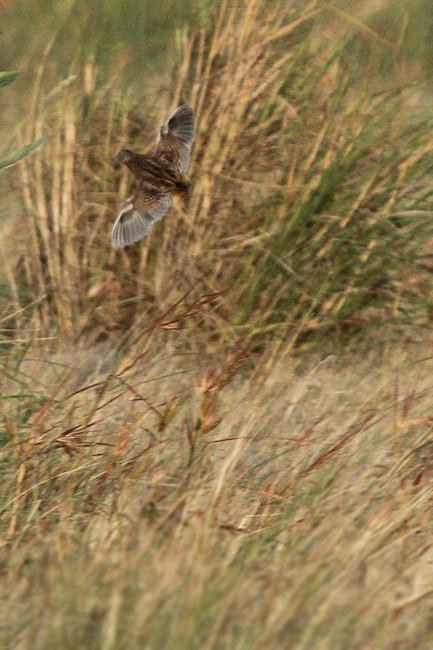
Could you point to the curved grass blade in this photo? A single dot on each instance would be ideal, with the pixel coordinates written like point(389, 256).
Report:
point(19, 154)
point(7, 78)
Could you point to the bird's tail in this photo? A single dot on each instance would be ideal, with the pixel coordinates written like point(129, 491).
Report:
point(183, 190)
point(183, 187)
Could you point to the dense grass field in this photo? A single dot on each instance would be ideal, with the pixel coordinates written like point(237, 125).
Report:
point(218, 438)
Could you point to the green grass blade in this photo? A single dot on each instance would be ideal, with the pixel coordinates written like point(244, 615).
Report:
point(7, 78)
point(19, 154)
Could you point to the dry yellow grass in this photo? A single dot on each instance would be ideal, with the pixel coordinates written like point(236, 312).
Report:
point(176, 474)
point(311, 194)
point(161, 501)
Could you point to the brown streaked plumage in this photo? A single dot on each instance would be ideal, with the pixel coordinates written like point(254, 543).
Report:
point(159, 176)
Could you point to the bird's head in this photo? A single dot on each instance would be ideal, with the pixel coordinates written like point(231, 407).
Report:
point(123, 156)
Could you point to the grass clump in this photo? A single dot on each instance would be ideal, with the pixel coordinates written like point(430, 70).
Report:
point(310, 209)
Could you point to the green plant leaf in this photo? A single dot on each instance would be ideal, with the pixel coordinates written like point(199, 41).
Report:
point(19, 154)
point(7, 78)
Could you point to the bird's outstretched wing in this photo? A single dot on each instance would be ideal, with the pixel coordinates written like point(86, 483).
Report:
point(138, 214)
point(177, 136)
point(182, 124)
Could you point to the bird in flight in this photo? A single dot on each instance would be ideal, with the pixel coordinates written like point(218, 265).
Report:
point(159, 176)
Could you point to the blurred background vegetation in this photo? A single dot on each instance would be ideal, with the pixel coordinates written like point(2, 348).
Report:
point(140, 33)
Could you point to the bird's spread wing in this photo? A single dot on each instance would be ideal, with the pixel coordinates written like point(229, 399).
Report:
point(177, 137)
point(182, 125)
point(138, 214)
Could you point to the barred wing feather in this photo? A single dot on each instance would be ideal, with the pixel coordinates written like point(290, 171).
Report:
point(182, 125)
point(177, 137)
point(137, 216)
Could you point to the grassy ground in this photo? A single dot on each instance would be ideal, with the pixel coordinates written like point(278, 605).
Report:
point(220, 437)
point(161, 502)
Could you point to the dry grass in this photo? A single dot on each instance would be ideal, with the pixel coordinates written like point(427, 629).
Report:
point(157, 501)
point(311, 197)
point(171, 476)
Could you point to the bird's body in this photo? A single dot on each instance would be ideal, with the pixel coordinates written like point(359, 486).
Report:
point(159, 176)
point(156, 172)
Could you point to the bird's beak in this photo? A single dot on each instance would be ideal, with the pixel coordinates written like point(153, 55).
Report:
point(116, 162)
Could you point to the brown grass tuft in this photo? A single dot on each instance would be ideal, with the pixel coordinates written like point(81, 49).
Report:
point(310, 203)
